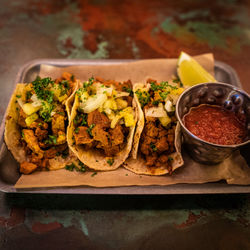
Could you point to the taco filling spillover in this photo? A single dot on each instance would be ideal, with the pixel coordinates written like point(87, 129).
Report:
point(102, 123)
point(156, 149)
point(36, 123)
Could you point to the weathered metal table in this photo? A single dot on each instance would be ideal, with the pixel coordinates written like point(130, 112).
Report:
point(130, 30)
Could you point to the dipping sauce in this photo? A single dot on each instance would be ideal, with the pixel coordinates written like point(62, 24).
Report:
point(215, 124)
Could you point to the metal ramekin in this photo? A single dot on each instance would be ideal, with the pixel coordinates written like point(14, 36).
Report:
point(221, 94)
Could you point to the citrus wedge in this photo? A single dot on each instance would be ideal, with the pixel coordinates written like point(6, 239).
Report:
point(191, 72)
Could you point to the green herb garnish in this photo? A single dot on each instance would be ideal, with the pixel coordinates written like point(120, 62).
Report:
point(46, 110)
point(28, 95)
point(129, 90)
point(110, 161)
point(18, 96)
point(93, 174)
point(143, 97)
point(82, 167)
point(40, 85)
point(89, 130)
point(155, 102)
point(51, 140)
point(164, 95)
point(161, 86)
point(153, 147)
point(72, 78)
point(77, 130)
point(70, 167)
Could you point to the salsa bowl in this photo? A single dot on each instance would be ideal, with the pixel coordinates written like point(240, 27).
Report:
point(223, 95)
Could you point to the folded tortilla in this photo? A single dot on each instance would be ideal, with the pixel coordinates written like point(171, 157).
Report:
point(95, 157)
point(13, 135)
point(137, 162)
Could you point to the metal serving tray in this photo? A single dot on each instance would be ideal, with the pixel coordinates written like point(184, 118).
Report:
point(8, 166)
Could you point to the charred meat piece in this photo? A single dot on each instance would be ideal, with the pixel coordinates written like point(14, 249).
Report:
point(58, 123)
point(151, 159)
point(32, 141)
point(21, 119)
point(117, 136)
point(39, 123)
point(100, 135)
point(99, 119)
point(82, 136)
point(41, 134)
point(27, 167)
point(156, 143)
point(111, 150)
point(53, 152)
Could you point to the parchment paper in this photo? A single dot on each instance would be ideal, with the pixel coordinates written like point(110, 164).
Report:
point(234, 169)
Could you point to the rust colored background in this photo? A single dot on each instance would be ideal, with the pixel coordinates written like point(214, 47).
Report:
point(31, 29)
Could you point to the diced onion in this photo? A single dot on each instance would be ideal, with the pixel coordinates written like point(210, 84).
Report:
point(121, 94)
point(93, 103)
point(169, 106)
point(156, 111)
point(35, 101)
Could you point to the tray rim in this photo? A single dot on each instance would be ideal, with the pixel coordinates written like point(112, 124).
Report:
point(205, 188)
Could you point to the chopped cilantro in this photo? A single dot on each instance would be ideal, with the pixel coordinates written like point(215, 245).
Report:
point(40, 85)
point(81, 119)
point(18, 96)
point(70, 167)
point(46, 110)
point(161, 86)
point(196, 122)
point(88, 83)
point(164, 95)
point(155, 102)
point(82, 167)
point(64, 87)
point(143, 97)
point(60, 113)
point(129, 90)
point(51, 140)
point(28, 95)
point(89, 130)
point(22, 134)
point(77, 130)
point(93, 174)
point(153, 147)
point(72, 78)
point(110, 161)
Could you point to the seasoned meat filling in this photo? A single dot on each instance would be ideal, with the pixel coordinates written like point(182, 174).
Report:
point(42, 120)
point(99, 132)
point(103, 127)
point(157, 143)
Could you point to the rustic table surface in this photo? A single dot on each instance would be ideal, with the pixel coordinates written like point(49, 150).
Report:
point(130, 29)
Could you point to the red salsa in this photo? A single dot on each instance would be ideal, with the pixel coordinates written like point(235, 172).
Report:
point(215, 124)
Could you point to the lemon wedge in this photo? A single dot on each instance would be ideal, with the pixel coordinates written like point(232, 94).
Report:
point(191, 72)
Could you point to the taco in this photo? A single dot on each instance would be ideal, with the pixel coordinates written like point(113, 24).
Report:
point(36, 123)
point(157, 141)
point(102, 123)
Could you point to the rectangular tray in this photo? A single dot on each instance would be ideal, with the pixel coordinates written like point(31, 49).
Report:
point(8, 166)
